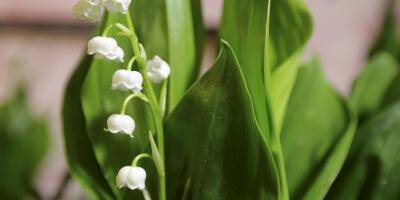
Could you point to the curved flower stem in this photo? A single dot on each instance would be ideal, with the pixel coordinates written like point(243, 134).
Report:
point(138, 157)
point(105, 32)
point(152, 101)
point(130, 63)
point(133, 95)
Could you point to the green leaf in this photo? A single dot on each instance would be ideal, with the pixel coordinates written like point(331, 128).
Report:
point(316, 136)
point(166, 28)
point(372, 83)
point(80, 155)
point(389, 41)
point(268, 47)
point(243, 26)
point(289, 28)
point(268, 37)
point(24, 141)
point(199, 32)
point(219, 152)
point(372, 168)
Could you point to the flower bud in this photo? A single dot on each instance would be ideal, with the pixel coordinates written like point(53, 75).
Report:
point(127, 80)
point(88, 10)
point(105, 47)
point(118, 6)
point(157, 70)
point(131, 177)
point(117, 123)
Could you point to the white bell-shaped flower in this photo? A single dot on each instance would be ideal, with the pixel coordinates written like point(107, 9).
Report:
point(88, 10)
point(117, 123)
point(131, 177)
point(118, 6)
point(127, 80)
point(157, 70)
point(105, 47)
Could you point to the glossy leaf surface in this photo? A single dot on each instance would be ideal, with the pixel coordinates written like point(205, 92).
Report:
point(214, 144)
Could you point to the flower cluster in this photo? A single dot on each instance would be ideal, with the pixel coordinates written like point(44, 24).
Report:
point(154, 71)
point(92, 10)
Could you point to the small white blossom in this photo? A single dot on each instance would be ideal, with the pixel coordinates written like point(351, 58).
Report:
point(157, 70)
point(118, 6)
point(88, 10)
point(105, 47)
point(131, 177)
point(117, 123)
point(127, 80)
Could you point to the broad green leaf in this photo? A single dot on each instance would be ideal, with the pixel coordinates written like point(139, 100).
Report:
point(269, 47)
point(80, 155)
point(181, 50)
point(372, 83)
point(243, 26)
point(24, 140)
point(372, 170)
point(316, 135)
point(169, 29)
point(268, 37)
point(214, 144)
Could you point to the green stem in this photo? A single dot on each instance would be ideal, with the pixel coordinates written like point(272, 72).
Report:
point(163, 97)
point(152, 101)
point(146, 194)
point(131, 96)
point(105, 32)
point(284, 194)
point(138, 157)
point(130, 63)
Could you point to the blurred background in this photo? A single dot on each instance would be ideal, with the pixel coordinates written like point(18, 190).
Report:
point(40, 45)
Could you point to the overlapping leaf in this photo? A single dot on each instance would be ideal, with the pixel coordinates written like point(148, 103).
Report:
point(389, 41)
point(268, 50)
point(268, 37)
point(316, 135)
point(214, 144)
point(372, 169)
point(372, 83)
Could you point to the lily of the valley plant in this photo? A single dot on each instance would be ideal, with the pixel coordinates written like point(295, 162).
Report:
point(155, 71)
point(140, 121)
